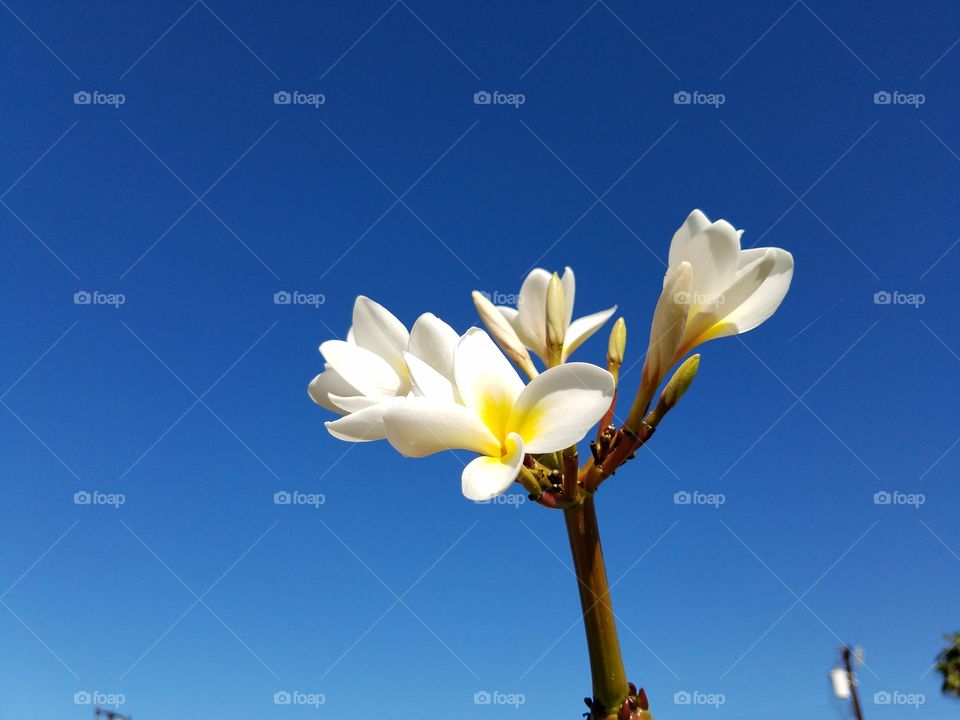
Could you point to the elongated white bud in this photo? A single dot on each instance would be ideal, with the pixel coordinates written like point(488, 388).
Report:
point(503, 332)
point(556, 320)
point(669, 321)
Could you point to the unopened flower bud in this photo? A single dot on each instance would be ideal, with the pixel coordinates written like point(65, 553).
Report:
point(556, 320)
point(680, 381)
point(666, 334)
point(503, 333)
point(616, 346)
point(669, 321)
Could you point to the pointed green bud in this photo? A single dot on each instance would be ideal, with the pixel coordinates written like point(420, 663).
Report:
point(616, 346)
point(556, 320)
point(680, 382)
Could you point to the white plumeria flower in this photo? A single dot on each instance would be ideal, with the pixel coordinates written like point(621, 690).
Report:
point(497, 416)
point(369, 371)
point(529, 319)
point(731, 290)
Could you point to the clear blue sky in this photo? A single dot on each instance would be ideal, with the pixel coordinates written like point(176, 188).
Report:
point(199, 198)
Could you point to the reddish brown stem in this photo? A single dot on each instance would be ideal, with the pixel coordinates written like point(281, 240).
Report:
point(608, 416)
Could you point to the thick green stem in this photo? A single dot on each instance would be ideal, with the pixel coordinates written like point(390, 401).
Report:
point(606, 664)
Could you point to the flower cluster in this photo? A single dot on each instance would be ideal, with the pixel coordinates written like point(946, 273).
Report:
point(431, 389)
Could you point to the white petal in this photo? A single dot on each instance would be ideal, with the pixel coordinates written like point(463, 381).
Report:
point(558, 407)
point(487, 477)
point(362, 426)
point(713, 252)
point(369, 373)
point(532, 305)
point(433, 341)
point(376, 329)
point(327, 383)
point(513, 317)
point(582, 328)
point(428, 382)
point(509, 313)
point(695, 223)
point(419, 426)
point(486, 380)
point(354, 403)
point(569, 291)
point(760, 286)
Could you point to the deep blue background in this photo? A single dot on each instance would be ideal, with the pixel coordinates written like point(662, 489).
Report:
point(798, 425)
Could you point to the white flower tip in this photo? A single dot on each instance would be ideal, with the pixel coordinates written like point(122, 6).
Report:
point(313, 390)
point(787, 257)
point(326, 344)
point(723, 229)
